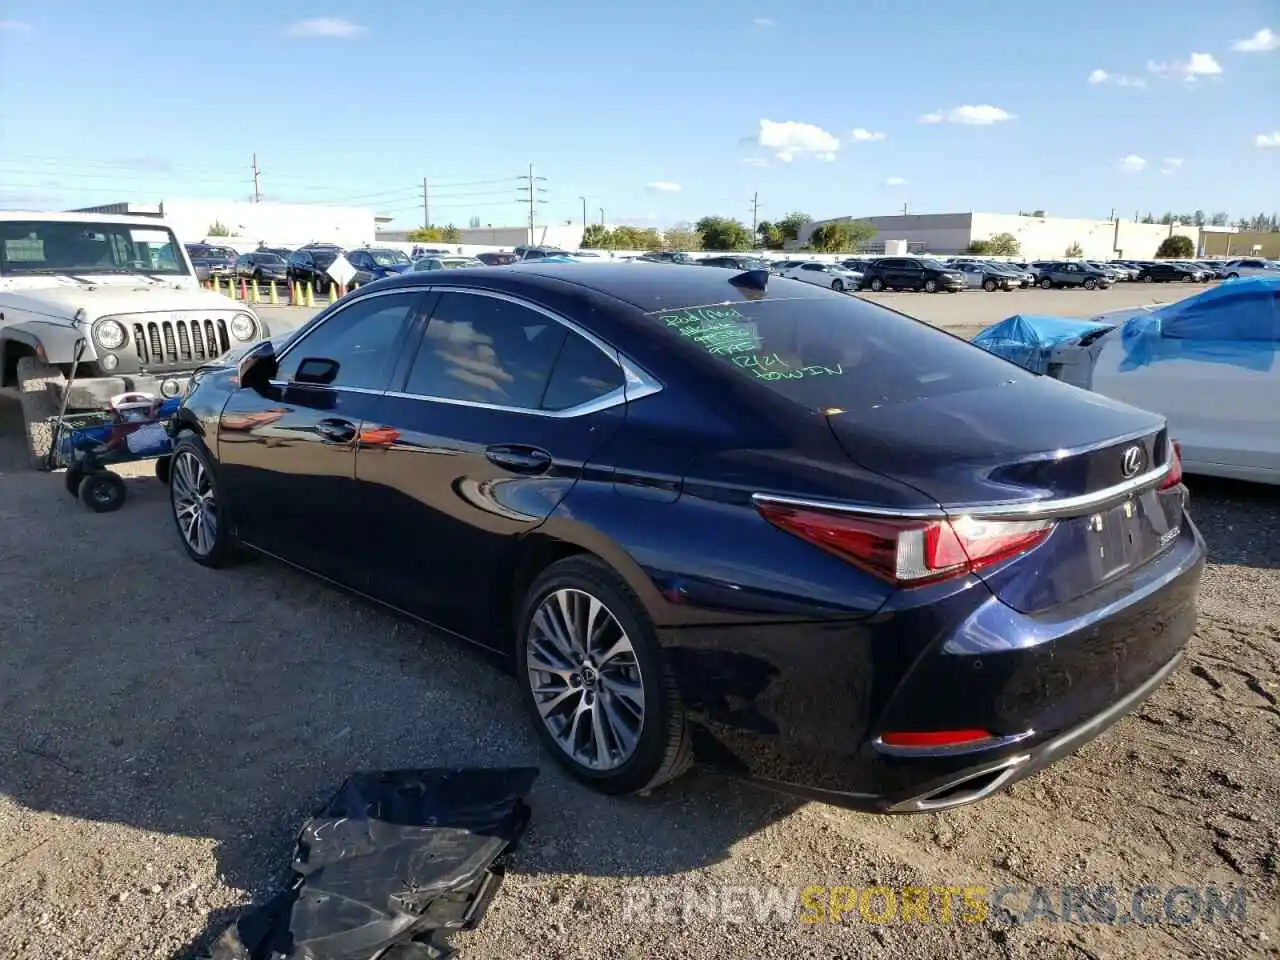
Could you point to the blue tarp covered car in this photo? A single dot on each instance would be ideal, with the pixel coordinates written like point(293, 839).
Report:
point(1028, 340)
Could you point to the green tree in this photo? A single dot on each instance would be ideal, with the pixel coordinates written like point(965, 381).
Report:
point(451, 234)
point(626, 238)
point(473, 223)
point(770, 235)
point(596, 237)
point(681, 238)
point(218, 229)
point(648, 239)
point(425, 235)
point(841, 236)
point(723, 233)
point(1176, 247)
point(1003, 245)
point(1218, 220)
point(978, 247)
point(1075, 250)
point(789, 227)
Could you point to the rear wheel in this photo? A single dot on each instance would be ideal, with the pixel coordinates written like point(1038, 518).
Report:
point(877, 285)
point(1091, 284)
point(39, 410)
point(931, 286)
point(595, 681)
point(1233, 276)
point(1046, 284)
point(1148, 278)
point(102, 491)
point(989, 285)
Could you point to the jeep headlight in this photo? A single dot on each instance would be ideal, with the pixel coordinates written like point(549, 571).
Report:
point(110, 334)
point(243, 327)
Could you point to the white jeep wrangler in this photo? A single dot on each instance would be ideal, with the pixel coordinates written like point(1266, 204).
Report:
point(119, 290)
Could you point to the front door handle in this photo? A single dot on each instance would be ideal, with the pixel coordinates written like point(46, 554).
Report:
point(336, 430)
point(518, 458)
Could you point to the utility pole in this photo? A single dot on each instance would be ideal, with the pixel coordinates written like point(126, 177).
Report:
point(602, 216)
point(257, 183)
point(904, 209)
point(755, 214)
point(532, 189)
point(584, 212)
point(426, 205)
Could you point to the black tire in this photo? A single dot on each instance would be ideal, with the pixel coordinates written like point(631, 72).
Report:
point(1233, 276)
point(931, 286)
point(39, 411)
point(877, 285)
point(163, 465)
point(837, 286)
point(71, 479)
point(663, 750)
point(222, 550)
point(1046, 284)
point(1091, 284)
point(102, 491)
point(989, 285)
point(1147, 278)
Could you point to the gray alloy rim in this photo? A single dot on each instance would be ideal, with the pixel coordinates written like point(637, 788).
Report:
point(194, 504)
point(585, 679)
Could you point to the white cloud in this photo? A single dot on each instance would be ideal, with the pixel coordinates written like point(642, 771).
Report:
point(1190, 70)
point(1268, 141)
point(974, 116)
point(756, 162)
point(764, 22)
point(1099, 76)
point(1173, 162)
point(1137, 82)
point(788, 139)
point(828, 157)
point(1264, 41)
point(325, 27)
point(663, 186)
point(894, 182)
point(14, 25)
point(1133, 163)
point(864, 135)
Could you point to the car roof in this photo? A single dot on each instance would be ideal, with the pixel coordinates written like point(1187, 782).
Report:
point(653, 287)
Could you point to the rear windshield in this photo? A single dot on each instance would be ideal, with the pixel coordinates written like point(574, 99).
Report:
point(836, 353)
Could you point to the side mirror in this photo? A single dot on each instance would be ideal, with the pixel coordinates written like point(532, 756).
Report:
point(320, 371)
point(258, 366)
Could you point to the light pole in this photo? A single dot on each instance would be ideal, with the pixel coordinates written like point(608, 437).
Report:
point(584, 212)
point(602, 216)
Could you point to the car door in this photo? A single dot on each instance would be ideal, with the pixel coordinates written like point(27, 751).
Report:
point(814, 273)
point(974, 273)
point(503, 405)
point(287, 451)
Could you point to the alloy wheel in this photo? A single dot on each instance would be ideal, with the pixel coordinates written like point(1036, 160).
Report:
point(194, 503)
point(585, 679)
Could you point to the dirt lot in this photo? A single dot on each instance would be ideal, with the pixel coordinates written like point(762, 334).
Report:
point(167, 728)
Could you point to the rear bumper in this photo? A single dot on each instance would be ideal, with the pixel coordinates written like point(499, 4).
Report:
point(800, 707)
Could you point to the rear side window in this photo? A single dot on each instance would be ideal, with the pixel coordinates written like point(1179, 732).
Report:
point(835, 353)
point(582, 374)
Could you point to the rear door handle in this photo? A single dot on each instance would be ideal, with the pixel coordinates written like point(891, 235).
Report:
point(518, 458)
point(335, 430)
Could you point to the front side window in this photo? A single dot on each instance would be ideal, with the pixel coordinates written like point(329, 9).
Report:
point(486, 350)
point(361, 337)
point(30, 247)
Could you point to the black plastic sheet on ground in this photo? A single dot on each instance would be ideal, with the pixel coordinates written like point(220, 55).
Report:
point(393, 862)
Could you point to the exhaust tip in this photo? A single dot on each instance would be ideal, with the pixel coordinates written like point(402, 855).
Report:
point(970, 788)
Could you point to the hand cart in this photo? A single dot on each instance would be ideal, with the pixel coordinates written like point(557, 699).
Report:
point(133, 427)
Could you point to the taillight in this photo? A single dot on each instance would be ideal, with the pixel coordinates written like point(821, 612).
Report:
point(908, 551)
point(1174, 476)
point(935, 739)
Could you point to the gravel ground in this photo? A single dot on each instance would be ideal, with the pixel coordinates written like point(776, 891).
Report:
point(164, 737)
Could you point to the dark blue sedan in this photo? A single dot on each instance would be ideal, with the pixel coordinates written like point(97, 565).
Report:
point(717, 516)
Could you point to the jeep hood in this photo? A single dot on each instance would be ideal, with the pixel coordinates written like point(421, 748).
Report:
point(100, 300)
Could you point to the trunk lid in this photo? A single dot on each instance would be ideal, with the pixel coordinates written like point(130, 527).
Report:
point(1026, 441)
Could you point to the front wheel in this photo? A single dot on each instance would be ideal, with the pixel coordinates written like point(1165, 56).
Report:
point(39, 411)
point(595, 681)
point(877, 285)
point(1046, 284)
point(102, 491)
point(989, 285)
point(1091, 284)
point(837, 286)
point(195, 497)
point(931, 286)
point(1233, 276)
point(1148, 279)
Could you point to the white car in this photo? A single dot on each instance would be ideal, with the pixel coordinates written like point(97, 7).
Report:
point(116, 298)
point(1249, 267)
point(1221, 397)
point(830, 275)
point(445, 263)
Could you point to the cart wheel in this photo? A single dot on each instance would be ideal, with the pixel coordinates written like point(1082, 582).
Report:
point(102, 492)
point(72, 479)
point(162, 469)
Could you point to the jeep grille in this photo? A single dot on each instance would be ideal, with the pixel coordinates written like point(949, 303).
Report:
point(179, 342)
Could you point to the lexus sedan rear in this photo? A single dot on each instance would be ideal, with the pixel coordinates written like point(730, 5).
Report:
point(716, 516)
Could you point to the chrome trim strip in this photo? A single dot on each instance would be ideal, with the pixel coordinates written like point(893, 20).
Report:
point(1057, 507)
point(637, 382)
point(977, 746)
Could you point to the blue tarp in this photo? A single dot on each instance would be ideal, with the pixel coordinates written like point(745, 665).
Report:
point(1027, 340)
point(1237, 322)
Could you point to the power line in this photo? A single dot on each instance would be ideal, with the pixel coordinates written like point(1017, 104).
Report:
point(530, 189)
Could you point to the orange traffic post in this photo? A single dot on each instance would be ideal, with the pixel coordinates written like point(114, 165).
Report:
point(244, 290)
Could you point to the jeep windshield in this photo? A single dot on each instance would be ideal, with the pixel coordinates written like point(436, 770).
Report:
point(29, 247)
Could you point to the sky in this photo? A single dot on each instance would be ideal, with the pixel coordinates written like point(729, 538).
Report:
point(657, 113)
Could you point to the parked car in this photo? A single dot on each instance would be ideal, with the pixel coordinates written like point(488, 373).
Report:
point(1054, 273)
point(984, 275)
point(1198, 270)
point(831, 275)
point(1115, 273)
point(913, 273)
point(419, 252)
point(282, 252)
point(377, 263)
point(716, 516)
point(446, 263)
point(668, 256)
point(1207, 363)
point(1249, 267)
point(539, 253)
point(497, 259)
point(1163, 271)
point(212, 261)
point(262, 267)
point(310, 265)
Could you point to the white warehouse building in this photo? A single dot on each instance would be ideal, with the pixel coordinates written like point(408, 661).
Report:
point(251, 224)
point(1038, 237)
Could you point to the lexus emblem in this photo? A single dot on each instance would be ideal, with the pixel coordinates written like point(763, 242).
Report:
point(1131, 462)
